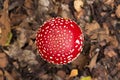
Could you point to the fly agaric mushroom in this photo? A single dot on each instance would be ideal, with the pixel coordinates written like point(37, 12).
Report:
point(59, 40)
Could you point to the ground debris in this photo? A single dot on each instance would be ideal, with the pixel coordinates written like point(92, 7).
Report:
point(99, 20)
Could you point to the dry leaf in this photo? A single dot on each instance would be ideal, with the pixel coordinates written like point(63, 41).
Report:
point(29, 7)
point(4, 24)
point(81, 13)
point(73, 73)
point(110, 52)
point(22, 39)
point(16, 19)
point(117, 12)
point(93, 61)
point(61, 73)
point(113, 41)
point(9, 77)
point(3, 60)
point(108, 2)
point(78, 4)
point(118, 65)
point(44, 76)
point(92, 29)
point(106, 28)
point(80, 61)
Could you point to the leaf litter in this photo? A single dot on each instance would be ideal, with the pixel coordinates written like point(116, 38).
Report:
point(99, 60)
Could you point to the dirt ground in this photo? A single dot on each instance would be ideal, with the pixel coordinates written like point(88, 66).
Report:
point(99, 20)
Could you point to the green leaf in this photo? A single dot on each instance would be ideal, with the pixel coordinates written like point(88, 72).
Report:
point(9, 39)
point(86, 78)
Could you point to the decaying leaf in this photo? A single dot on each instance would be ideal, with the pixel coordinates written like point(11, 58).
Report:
point(92, 63)
point(29, 7)
point(110, 52)
point(8, 75)
point(118, 65)
point(113, 41)
point(81, 61)
point(92, 29)
point(81, 13)
point(17, 18)
point(22, 37)
point(64, 11)
point(73, 73)
point(108, 1)
point(117, 12)
point(3, 60)
point(4, 24)
point(61, 74)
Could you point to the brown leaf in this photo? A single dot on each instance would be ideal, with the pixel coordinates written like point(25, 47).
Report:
point(104, 35)
point(80, 61)
point(16, 18)
point(113, 41)
point(9, 77)
point(117, 12)
point(118, 65)
point(4, 24)
point(61, 74)
point(92, 63)
point(79, 14)
point(109, 2)
point(92, 29)
point(22, 38)
point(110, 52)
point(29, 7)
point(3, 60)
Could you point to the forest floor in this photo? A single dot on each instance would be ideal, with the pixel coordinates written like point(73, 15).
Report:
point(99, 20)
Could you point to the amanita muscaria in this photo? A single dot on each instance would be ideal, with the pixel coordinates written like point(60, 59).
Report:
point(59, 40)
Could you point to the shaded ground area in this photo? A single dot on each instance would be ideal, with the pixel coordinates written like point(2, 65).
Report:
point(99, 20)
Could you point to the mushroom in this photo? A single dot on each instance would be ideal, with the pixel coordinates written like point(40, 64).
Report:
point(59, 40)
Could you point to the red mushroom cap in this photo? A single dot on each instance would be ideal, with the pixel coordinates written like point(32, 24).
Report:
point(59, 40)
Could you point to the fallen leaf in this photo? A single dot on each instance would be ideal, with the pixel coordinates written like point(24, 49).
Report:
point(92, 29)
point(16, 19)
point(110, 52)
point(61, 74)
point(109, 2)
point(44, 76)
point(78, 4)
point(8, 75)
point(81, 61)
point(3, 60)
point(92, 63)
point(86, 78)
point(29, 7)
point(22, 39)
point(57, 78)
point(9, 39)
point(113, 41)
point(118, 65)
point(73, 73)
point(79, 14)
point(4, 24)
point(117, 12)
